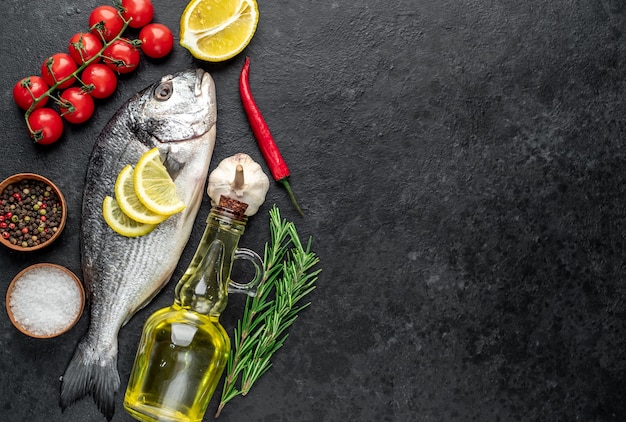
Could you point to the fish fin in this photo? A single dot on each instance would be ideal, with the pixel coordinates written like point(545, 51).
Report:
point(173, 166)
point(91, 374)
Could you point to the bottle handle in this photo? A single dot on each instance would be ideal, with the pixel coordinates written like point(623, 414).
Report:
point(250, 287)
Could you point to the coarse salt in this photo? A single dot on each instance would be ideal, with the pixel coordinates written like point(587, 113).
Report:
point(45, 301)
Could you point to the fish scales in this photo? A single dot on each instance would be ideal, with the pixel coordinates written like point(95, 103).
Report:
point(121, 275)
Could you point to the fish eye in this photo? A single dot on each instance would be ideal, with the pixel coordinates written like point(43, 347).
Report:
point(164, 91)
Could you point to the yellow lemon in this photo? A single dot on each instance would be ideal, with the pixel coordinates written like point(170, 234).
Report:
point(154, 187)
point(128, 201)
point(217, 30)
point(120, 222)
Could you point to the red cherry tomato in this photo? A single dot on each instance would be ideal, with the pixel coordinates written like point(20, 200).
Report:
point(27, 89)
point(84, 46)
point(156, 40)
point(46, 125)
point(122, 56)
point(76, 105)
point(58, 67)
point(140, 11)
point(102, 78)
point(105, 22)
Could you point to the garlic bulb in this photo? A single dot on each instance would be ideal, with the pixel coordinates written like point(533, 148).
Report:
point(241, 178)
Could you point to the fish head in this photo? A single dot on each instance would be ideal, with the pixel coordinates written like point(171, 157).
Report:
point(179, 107)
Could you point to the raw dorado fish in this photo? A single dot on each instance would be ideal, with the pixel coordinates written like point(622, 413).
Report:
point(122, 274)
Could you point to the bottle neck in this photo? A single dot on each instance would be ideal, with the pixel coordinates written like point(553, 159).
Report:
point(204, 286)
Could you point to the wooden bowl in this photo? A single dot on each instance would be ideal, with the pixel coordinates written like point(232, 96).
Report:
point(45, 302)
point(16, 178)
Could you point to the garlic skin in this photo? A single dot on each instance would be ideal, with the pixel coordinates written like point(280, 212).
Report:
point(241, 178)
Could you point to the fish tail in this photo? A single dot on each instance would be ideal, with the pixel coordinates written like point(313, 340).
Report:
point(89, 373)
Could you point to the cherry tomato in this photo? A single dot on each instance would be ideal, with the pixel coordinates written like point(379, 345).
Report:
point(76, 105)
point(27, 89)
point(84, 46)
point(102, 78)
point(140, 11)
point(58, 67)
point(46, 124)
point(156, 40)
point(105, 22)
point(122, 56)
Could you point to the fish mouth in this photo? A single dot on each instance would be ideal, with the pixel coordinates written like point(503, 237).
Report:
point(204, 91)
point(204, 84)
point(200, 120)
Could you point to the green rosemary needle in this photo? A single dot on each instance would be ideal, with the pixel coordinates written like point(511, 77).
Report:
point(261, 331)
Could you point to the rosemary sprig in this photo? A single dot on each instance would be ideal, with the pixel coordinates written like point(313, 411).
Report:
point(262, 329)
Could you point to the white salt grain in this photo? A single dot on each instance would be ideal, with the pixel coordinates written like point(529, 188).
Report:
point(45, 301)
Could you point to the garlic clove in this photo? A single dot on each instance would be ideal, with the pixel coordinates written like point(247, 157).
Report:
point(241, 178)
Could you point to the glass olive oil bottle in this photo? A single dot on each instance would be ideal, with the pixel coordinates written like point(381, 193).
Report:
point(183, 348)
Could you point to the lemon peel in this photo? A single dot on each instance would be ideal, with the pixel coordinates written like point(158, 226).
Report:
point(217, 30)
point(154, 187)
point(120, 222)
point(129, 202)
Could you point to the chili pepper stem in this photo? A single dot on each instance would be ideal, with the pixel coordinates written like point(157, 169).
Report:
point(287, 186)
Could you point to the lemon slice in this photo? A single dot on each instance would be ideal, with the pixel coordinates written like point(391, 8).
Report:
point(128, 201)
point(217, 30)
point(120, 222)
point(154, 187)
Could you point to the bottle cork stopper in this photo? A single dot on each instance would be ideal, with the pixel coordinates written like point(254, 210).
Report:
point(237, 207)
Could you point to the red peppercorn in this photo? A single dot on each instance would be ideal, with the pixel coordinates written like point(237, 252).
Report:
point(44, 205)
point(17, 196)
point(6, 235)
point(25, 230)
point(43, 218)
point(3, 225)
point(9, 214)
point(1, 218)
point(11, 226)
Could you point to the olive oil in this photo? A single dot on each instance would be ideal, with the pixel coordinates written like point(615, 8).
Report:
point(183, 348)
point(175, 381)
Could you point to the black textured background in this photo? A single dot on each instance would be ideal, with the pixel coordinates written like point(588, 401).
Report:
point(461, 166)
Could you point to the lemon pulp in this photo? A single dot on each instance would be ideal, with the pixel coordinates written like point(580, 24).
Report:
point(128, 201)
point(120, 222)
point(217, 30)
point(154, 187)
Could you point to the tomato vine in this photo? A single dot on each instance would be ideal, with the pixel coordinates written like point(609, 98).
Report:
point(105, 42)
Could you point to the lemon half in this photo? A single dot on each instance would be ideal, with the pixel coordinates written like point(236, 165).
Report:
point(217, 30)
point(129, 202)
point(120, 222)
point(154, 187)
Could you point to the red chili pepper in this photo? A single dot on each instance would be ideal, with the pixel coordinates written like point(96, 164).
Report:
point(265, 140)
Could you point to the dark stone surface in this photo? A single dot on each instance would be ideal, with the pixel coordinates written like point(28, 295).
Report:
point(461, 166)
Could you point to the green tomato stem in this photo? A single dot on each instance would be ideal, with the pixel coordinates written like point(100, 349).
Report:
point(74, 74)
